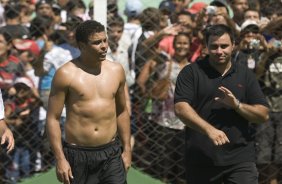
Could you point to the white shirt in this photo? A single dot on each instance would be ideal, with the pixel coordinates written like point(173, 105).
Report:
point(1, 107)
point(56, 57)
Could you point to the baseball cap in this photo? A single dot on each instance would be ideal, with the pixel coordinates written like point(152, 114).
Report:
point(24, 80)
point(133, 8)
point(27, 45)
point(196, 7)
point(249, 24)
point(41, 2)
point(166, 5)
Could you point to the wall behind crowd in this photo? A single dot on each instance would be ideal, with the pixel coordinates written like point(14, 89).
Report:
point(121, 4)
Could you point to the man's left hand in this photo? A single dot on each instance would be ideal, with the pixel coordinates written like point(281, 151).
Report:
point(126, 157)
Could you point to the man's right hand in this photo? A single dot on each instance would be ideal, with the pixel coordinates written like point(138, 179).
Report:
point(63, 171)
point(218, 137)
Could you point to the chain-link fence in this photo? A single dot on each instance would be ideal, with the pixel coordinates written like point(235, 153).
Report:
point(158, 136)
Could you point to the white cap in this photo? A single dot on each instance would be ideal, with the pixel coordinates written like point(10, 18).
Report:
point(25, 80)
point(249, 22)
point(133, 8)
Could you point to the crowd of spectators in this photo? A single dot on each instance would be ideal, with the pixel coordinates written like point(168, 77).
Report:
point(152, 44)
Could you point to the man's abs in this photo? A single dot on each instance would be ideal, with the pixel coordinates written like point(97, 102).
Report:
point(90, 133)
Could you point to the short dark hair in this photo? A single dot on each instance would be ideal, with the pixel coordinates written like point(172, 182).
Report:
point(86, 29)
point(150, 19)
point(39, 25)
point(116, 21)
point(184, 12)
point(75, 4)
point(41, 2)
point(218, 30)
point(12, 10)
point(72, 22)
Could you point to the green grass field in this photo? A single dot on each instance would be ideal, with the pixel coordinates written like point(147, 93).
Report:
point(134, 177)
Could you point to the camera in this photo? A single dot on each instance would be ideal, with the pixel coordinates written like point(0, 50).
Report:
point(277, 44)
point(254, 43)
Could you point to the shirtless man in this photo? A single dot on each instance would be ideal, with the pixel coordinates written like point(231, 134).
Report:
point(92, 89)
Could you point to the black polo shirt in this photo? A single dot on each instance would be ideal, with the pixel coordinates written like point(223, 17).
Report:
point(197, 84)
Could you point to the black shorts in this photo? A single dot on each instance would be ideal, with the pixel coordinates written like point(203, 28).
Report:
point(96, 165)
point(242, 173)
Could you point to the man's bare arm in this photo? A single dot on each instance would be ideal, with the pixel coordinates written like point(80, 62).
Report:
point(127, 99)
point(254, 113)
point(55, 107)
point(123, 122)
point(191, 119)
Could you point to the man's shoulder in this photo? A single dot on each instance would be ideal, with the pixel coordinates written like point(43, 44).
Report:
point(240, 67)
point(114, 68)
point(199, 63)
point(112, 63)
point(65, 74)
point(67, 68)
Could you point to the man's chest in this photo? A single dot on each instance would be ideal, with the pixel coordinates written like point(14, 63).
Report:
point(207, 86)
point(87, 86)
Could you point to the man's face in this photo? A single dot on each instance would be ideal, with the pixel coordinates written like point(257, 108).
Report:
point(45, 10)
point(240, 6)
point(221, 10)
point(220, 49)
point(250, 34)
point(218, 19)
point(179, 4)
point(186, 22)
point(251, 15)
point(70, 34)
point(96, 47)
point(115, 33)
point(3, 46)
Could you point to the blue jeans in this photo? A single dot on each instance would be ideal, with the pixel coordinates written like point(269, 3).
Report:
point(20, 164)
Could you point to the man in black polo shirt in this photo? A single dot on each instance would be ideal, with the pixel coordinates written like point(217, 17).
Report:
point(217, 99)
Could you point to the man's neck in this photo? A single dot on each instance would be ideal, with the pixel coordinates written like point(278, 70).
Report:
point(15, 21)
point(134, 21)
point(89, 65)
point(222, 68)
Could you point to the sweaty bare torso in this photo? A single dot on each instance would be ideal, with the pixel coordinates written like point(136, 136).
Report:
point(90, 105)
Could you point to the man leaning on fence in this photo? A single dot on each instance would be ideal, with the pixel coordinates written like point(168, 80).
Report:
point(217, 99)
